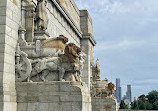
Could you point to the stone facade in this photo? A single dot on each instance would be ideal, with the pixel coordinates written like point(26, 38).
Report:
point(47, 58)
point(102, 92)
point(103, 104)
point(52, 96)
point(10, 15)
point(60, 24)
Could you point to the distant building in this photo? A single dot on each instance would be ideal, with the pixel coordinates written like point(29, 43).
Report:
point(129, 93)
point(135, 98)
point(118, 90)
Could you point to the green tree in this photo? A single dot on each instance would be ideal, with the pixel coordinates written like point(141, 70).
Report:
point(153, 99)
point(134, 105)
point(149, 102)
point(123, 105)
point(148, 105)
point(155, 105)
point(141, 104)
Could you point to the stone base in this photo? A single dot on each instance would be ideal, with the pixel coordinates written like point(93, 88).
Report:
point(104, 104)
point(41, 35)
point(53, 96)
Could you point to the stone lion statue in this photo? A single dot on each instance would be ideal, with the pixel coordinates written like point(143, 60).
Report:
point(111, 88)
point(72, 52)
point(70, 62)
point(104, 92)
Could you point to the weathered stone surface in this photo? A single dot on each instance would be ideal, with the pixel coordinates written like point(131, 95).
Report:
point(42, 20)
point(8, 38)
point(60, 23)
point(71, 9)
point(86, 22)
point(104, 104)
point(44, 97)
point(87, 48)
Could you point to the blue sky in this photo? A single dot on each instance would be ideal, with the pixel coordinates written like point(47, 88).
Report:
point(126, 32)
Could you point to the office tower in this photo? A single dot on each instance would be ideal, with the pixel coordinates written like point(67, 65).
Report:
point(129, 93)
point(118, 90)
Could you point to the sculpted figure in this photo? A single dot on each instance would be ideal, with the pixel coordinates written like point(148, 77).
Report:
point(41, 15)
point(45, 65)
point(97, 65)
point(79, 66)
point(63, 38)
point(111, 88)
point(96, 71)
point(72, 52)
point(107, 91)
point(71, 61)
point(22, 65)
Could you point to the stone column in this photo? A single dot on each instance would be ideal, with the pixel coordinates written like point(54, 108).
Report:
point(29, 22)
point(9, 23)
point(2, 44)
point(87, 45)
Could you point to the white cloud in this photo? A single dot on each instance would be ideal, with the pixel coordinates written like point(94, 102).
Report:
point(127, 40)
point(119, 6)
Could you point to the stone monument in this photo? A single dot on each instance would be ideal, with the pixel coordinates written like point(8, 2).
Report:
point(102, 92)
point(47, 58)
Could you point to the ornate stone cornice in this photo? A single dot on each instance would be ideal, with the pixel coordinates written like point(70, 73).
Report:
point(68, 18)
point(90, 37)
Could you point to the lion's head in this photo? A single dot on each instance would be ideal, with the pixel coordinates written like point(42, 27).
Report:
point(72, 50)
point(111, 86)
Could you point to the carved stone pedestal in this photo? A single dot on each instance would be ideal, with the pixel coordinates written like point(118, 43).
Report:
point(41, 35)
point(104, 104)
point(53, 96)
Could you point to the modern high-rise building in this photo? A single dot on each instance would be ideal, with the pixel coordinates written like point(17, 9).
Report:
point(118, 90)
point(129, 93)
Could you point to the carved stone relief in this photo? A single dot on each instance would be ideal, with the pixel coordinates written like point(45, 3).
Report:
point(41, 19)
point(22, 65)
point(101, 88)
point(62, 65)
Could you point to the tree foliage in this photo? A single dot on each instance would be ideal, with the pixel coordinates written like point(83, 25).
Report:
point(123, 105)
point(141, 105)
point(153, 99)
point(134, 105)
point(149, 102)
point(148, 105)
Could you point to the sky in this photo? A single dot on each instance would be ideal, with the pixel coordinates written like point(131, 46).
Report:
point(126, 32)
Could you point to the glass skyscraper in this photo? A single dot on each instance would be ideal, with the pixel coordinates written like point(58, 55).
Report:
point(118, 90)
point(129, 93)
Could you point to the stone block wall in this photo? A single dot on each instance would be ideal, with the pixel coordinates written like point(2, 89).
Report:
point(10, 13)
point(72, 10)
point(64, 19)
point(103, 104)
point(52, 96)
point(2, 44)
point(86, 47)
point(86, 22)
point(59, 25)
